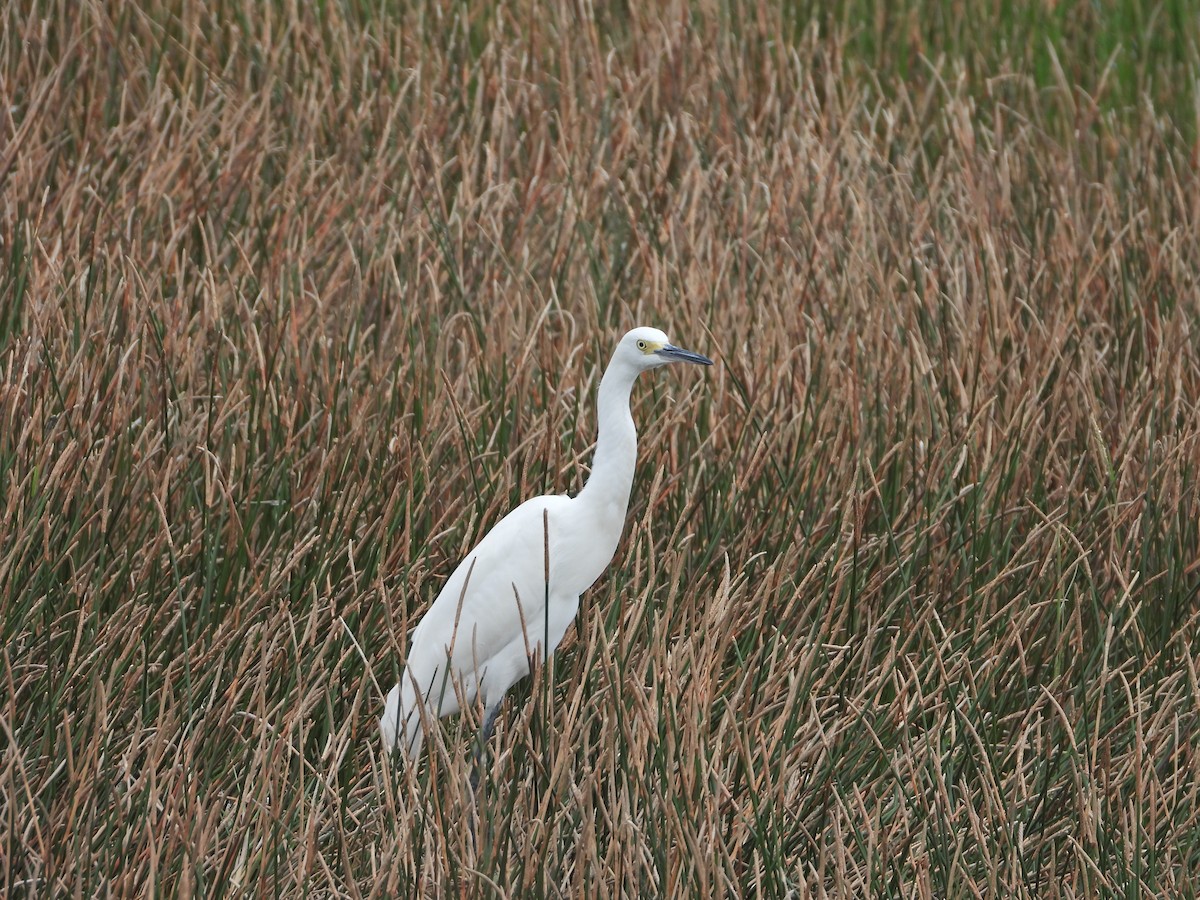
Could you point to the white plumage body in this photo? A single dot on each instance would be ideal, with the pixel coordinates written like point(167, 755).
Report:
point(504, 617)
point(471, 643)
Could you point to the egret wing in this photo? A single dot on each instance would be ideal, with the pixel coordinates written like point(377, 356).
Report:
point(499, 587)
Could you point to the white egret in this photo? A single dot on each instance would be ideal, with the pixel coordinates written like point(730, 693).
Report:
point(515, 594)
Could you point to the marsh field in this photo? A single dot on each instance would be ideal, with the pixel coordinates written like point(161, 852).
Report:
point(296, 300)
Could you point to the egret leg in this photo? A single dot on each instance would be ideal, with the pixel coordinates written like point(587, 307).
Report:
point(489, 725)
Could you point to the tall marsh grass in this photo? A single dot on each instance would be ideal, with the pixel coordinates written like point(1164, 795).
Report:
point(297, 299)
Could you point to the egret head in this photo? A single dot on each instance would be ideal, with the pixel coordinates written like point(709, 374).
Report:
point(649, 348)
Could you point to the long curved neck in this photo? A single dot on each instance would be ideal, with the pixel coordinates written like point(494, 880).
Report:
point(616, 441)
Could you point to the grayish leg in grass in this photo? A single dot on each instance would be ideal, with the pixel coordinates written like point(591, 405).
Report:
point(485, 733)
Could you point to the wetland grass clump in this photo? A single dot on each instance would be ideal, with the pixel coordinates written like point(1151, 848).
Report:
point(297, 300)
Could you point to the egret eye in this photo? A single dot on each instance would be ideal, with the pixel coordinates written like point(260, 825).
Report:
point(641, 345)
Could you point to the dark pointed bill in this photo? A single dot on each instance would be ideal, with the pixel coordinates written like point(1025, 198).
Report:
point(678, 354)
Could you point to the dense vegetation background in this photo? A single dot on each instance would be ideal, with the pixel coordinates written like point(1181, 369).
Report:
point(297, 299)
